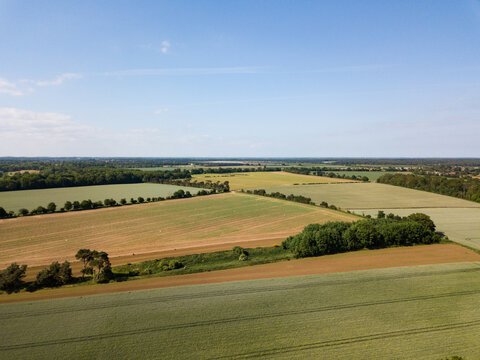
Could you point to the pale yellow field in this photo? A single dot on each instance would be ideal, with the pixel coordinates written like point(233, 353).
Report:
point(262, 180)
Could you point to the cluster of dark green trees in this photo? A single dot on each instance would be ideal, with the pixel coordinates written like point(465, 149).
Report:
point(95, 264)
point(86, 176)
point(464, 188)
point(337, 237)
point(54, 178)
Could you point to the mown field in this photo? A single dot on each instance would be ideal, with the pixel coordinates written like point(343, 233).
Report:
point(459, 219)
point(262, 180)
point(192, 225)
point(421, 312)
point(30, 199)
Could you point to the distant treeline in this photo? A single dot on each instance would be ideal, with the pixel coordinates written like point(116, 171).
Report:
point(337, 237)
point(464, 188)
point(323, 171)
point(69, 177)
point(228, 170)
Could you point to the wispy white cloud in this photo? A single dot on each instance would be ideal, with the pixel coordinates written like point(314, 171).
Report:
point(10, 88)
point(19, 123)
point(165, 46)
point(161, 111)
point(187, 71)
point(58, 80)
point(26, 86)
point(352, 68)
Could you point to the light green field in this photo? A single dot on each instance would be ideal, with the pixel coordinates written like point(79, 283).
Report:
point(373, 196)
point(457, 218)
point(460, 224)
point(262, 180)
point(422, 312)
point(30, 199)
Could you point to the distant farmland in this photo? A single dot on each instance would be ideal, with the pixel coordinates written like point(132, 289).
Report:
point(372, 175)
point(420, 312)
point(262, 180)
point(458, 218)
point(188, 225)
point(29, 199)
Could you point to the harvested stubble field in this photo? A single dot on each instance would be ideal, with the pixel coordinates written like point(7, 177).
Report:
point(459, 219)
point(420, 312)
point(30, 199)
point(262, 180)
point(190, 225)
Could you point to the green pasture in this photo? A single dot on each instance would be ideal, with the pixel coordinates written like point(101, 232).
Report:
point(460, 224)
point(421, 312)
point(459, 219)
point(373, 196)
point(30, 199)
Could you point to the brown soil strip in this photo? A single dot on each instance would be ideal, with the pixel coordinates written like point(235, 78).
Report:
point(360, 260)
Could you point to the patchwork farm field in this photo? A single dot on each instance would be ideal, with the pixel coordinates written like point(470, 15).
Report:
point(171, 227)
point(262, 180)
point(458, 218)
point(419, 312)
point(30, 199)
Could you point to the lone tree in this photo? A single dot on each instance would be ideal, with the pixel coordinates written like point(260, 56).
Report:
point(51, 207)
point(101, 261)
point(68, 205)
point(11, 278)
point(85, 255)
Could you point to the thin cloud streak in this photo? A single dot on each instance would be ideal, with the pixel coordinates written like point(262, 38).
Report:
point(187, 71)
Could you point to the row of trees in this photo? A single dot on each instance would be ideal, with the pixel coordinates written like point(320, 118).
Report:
point(464, 188)
point(95, 264)
point(336, 237)
point(297, 198)
point(89, 204)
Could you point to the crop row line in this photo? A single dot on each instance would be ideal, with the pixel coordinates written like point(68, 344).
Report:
point(234, 319)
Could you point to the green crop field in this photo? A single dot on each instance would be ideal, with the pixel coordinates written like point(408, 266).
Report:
point(421, 312)
point(373, 196)
point(460, 224)
point(262, 180)
point(30, 199)
point(198, 223)
point(459, 219)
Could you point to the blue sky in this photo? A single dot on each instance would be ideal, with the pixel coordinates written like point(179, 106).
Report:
point(240, 78)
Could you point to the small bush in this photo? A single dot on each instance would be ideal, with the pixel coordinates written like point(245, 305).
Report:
point(243, 257)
